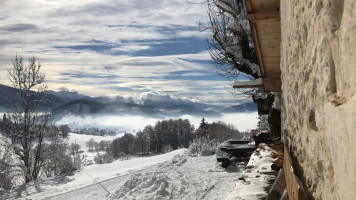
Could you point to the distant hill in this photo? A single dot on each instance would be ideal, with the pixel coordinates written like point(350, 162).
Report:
point(6, 93)
point(87, 107)
point(179, 110)
point(65, 103)
point(245, 107)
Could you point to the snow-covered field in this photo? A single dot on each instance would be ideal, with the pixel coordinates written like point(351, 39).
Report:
point(182, 177)
point(175, 175)
point(82, 141)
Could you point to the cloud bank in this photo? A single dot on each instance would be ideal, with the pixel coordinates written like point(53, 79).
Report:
point(114, 47)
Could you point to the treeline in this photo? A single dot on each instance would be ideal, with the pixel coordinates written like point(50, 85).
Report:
point(163, 137)
point(52, 131)
point(165, 134)
point(219, 131)
point(94, 131)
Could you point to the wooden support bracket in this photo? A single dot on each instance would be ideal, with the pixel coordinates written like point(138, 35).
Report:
point(293, 184)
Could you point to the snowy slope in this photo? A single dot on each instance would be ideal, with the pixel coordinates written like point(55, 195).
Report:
point(257, 176)
point(183, 177)
point(175, 175)
point(91, 175)
point(82, 140)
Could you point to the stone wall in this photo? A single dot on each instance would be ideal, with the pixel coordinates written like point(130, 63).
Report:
point(318, 63)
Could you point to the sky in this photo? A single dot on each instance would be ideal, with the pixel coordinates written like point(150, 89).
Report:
point(115, 47)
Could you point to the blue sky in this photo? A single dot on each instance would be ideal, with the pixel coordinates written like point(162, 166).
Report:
point(115, 47)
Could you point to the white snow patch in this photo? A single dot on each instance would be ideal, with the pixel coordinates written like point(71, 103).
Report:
point(91, 175)
point(256, 176)
point(250, 83)
point(183, 177)
point(82, 140)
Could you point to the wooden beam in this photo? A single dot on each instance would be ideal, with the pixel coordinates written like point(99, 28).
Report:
point(260, 6)
point(293, 184)
point(257, 83)
point(257, 45)
point(263, 16)
point(248, 6)
point(272, 84)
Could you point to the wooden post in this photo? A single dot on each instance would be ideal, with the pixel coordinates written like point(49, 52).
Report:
point(293, 184)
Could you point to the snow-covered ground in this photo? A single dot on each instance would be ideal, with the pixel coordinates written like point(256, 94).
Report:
point(90, 175)
point(82, 140)
point(182, 177)
point(175, 175)
point(257, 177)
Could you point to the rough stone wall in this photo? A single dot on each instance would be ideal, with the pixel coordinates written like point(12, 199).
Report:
point(318, 63)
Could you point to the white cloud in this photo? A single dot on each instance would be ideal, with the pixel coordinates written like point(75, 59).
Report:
point(39, 28)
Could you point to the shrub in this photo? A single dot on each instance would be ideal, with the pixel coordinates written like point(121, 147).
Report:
point(203, 144)
point(103, 158)
point(167, 148)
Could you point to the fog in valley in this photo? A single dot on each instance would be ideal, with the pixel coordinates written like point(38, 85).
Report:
point(132, 124)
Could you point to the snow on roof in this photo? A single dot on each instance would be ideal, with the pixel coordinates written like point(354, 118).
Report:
point(248, 84)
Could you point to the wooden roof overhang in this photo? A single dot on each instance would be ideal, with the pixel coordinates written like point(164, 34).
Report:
point(265, 25)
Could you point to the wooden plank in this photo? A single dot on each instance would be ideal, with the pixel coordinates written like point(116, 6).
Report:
point(271, 36)
point(270, 30)
point(275, 25)
point(272, 59)
point(269, 52)
point(269, 66)
point(257, 83)
point(272, 84)
point(265, 5)
point(275, 43)
point(248, 5)
point(269, 22)
point(272, 69)
point(265, 25)
point(273, 73)
point(270, 41)
point(263, 16)
point(293, 185)
point(269, 44)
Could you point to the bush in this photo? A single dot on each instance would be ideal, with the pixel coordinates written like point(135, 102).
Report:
point(6, 178)
point(203, 144)
point(59, 158)
point(9, 169)
point(103, 158)
point(167, 148)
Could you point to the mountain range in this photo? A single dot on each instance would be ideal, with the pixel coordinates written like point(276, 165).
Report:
point(64, 103)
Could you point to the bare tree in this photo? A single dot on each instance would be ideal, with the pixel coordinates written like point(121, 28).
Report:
point(91, 144)
point(231, 43)
point(27, 123)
